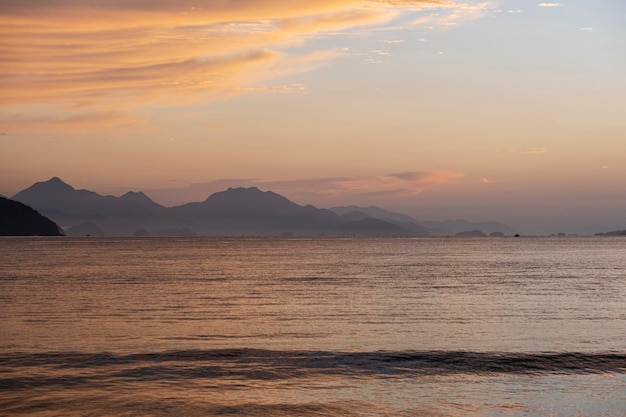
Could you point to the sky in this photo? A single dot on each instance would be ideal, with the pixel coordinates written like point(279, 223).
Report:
point(503, 110)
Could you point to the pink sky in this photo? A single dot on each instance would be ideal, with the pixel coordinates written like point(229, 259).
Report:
point(512, 111)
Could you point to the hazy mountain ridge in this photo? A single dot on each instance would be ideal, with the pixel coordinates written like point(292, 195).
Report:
point(403, 221)
point(375, 213)
point(435, 228)
point(461, 225)
point(371, 226)
point(71, 207)
point(613, 233)
point(235, 211)
point(55, 194)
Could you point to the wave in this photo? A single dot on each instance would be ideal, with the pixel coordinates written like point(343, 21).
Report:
point(256, 364)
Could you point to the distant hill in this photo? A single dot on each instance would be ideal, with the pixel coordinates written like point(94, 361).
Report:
point(373, 227)
point(452, 227)
point(435, 228)
point(375, 213)
point(408, 223)
point(471, 233)
point(613, 233)
point(18, 219)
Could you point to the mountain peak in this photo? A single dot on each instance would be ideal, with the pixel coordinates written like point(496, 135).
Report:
point(242, 190)
point(137, 198)
point(54, 183)
point(53, 186)
point(244, 193)
point(243, 199)
point(135, 195)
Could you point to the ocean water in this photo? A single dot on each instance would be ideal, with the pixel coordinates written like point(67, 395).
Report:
point(312, 327)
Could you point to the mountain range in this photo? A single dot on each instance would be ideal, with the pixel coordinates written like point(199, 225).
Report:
point(236, 211)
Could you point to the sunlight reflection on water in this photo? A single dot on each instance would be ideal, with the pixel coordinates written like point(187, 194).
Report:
point(111, 296)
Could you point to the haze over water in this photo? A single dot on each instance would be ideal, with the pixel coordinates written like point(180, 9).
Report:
point(321, 326)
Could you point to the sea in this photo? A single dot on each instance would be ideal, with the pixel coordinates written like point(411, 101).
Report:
point(321, 326)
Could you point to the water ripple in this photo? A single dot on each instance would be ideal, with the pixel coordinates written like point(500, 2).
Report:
point(71, 369)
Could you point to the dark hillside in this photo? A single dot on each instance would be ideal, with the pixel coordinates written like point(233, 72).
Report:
point(17, 219)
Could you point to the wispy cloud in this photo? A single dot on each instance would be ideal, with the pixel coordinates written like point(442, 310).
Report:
point(99, 120)
point(285, 89)
point(49, 53)
point(110, 56)
point(534, 151)
point(550, 5)
point(454, 14)
point(324, 190)
point(375, 56)
point(397, 184)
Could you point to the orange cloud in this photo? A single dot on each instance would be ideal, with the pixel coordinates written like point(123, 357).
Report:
point(534, 151)
point(400, 185)
point(114, 55)
point(94, 120)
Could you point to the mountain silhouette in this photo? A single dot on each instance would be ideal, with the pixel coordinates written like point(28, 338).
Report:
point(375, 213)
point(61, 197)
point(452, 227)
point(436, 228)
point(471, 233)
point(235, 211)
point(71, 207)
point(373, 227)
point(408, 223)
point(137, 199)
point(244, 201)
point(613, 233)
point(254, 212)
point(18, 219)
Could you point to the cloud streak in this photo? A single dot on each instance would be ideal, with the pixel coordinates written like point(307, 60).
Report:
point(534, 151)
point(17, 121)
point(550, 5)
point(454, 14)
point(121, 54)
point(324, 190)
